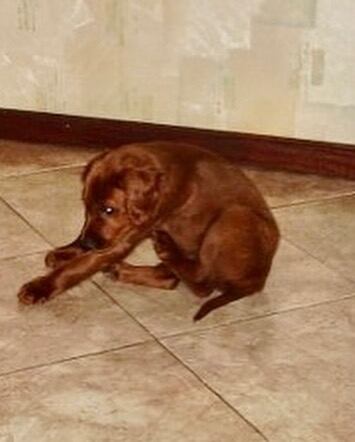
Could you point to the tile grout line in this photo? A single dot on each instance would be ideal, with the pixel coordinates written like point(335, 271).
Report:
point(321, 200)
point(173, 335)
point(319, 260)
point(257, 317)
point(73, 358)
point(23, 255)
point(137, 344)
point(16, 212)
point(43, 171)
point(187, 367)
point(237, 322)
point(214, 392)
point(161, 344)
point(83, 163)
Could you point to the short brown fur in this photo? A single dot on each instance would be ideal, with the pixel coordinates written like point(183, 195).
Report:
point(210, 226)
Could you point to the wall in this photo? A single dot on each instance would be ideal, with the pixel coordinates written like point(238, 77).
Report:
point(283, 67)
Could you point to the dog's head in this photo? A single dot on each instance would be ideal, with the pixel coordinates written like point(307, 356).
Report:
point(121, 192)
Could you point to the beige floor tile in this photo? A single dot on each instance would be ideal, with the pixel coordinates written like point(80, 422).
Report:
point(18, 158)
point(326, 230)
point(81, 321)
point(284, 188)
point(296, 280)
point(16, 237)
point(50, 201)
point(291, 374)
point(136, 394)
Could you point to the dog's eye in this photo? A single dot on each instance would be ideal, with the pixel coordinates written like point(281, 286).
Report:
point(107, 210)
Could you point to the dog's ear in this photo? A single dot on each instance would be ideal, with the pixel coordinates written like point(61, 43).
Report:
point(90, 165)
point(143, 190)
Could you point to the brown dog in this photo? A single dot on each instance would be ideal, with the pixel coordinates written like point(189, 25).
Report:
point(209, 224)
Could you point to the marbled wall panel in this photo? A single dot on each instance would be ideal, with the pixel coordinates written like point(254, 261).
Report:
point(283, 67)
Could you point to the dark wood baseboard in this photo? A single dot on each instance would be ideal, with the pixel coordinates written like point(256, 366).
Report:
point(332, 159)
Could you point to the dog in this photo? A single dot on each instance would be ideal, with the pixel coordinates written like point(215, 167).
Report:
point(209, 224)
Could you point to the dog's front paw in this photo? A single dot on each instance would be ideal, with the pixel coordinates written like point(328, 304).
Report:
point(37, 290)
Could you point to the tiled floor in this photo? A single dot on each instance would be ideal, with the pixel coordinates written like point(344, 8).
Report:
point(112, 362)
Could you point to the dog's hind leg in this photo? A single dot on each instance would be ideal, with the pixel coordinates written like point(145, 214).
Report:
point(189, 271)
point(158, 276)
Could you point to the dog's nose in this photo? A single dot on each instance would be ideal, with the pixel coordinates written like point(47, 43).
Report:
point(87, 243)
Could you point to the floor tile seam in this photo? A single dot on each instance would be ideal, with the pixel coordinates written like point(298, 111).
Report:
point(25, 255)
point(187, 367)
point(117, 304)
point(266, 315)
point(93, 354)
point(159, 339)
point(256, 317)
point(153, 339)
point(74, 358)
point(319, 260)
point(25, 220)
point(42, 171)
point(322, 200)
point(214, 392)
point(226, 323)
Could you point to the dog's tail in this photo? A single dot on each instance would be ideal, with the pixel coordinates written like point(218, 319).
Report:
point(220, 300)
